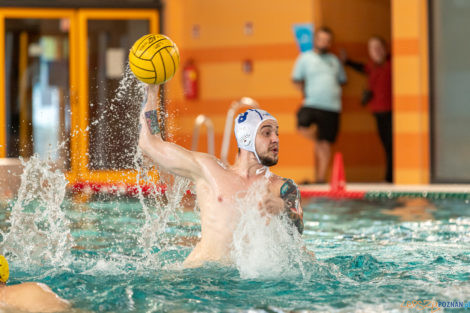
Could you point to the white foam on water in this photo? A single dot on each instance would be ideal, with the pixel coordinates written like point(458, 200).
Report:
point(159, 210)
point(265, 246)
point(105, 268)
point(39, 231)
point(162, 207)
point(361, 307)
point(452, 292)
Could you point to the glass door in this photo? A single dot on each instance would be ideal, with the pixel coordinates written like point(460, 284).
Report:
point(59, 99)
point(35, 94)
point(109, 102)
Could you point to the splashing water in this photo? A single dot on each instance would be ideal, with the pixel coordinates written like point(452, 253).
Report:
point(115, 127)
point(130, 88)
point(265, 246)
point(39, 231)
point(162, 206)
point(159, 210)
point(368, 261)
point(114, 123)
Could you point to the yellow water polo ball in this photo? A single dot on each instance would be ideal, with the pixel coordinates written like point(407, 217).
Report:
point(4, 269)
point(154, 59)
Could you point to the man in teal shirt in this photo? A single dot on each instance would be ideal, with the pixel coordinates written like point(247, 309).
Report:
point(319, 74)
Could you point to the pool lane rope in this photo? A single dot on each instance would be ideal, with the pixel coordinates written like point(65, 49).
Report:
point(338, 189)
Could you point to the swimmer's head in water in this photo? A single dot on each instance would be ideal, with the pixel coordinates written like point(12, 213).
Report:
point(246, 128)
point(4, 269)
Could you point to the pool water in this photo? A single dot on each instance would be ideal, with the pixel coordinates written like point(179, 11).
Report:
point(370, 257)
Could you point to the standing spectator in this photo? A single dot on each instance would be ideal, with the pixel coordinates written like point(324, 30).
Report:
point(320, 74)
point(379, 94)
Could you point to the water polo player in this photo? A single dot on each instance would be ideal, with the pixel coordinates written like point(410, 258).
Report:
point(29, 296)
point(217, 185)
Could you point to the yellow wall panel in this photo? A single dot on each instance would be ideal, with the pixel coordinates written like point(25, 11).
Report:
point(411, 176)
point(410, 83)
point(405, 18)
point(411, 122)
point(406, 46)
point(411, 103)
point(407, 78)
point(424, 45)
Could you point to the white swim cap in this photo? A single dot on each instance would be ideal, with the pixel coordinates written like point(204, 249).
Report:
point(246, 126)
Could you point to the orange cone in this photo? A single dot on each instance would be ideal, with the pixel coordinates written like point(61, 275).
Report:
point(338, 179)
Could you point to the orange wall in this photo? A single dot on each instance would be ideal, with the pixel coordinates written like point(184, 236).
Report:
point(353, 22)
point(411, 91)
point(222, 46)
point(219, 53)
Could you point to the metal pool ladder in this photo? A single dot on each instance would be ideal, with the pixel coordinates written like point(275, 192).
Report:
point(201, 119)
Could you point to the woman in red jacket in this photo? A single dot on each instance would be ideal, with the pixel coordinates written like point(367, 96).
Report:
point(379, 94)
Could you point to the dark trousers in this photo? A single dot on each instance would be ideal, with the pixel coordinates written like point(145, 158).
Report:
point(384, 126)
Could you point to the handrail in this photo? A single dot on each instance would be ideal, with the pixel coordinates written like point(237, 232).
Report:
point(237, 104)
point(199, 121)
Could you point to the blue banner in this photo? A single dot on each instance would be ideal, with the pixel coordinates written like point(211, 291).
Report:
point(304, 35)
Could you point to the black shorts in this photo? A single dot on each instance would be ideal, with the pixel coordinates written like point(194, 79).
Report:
point(327, 122)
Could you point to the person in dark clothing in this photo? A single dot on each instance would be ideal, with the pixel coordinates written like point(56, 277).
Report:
point(379, 94)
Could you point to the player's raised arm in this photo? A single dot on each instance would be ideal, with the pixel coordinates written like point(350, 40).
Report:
point(170, 156)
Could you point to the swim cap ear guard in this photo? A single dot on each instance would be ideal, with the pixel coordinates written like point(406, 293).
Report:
point(246, 127)
point(4, 269)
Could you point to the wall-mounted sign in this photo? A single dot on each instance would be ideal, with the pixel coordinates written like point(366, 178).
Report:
point(304, 36)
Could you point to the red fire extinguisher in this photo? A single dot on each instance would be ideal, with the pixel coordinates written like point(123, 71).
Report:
point(190, 80)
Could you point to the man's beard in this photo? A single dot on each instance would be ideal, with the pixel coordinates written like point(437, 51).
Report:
point(267, 161)
point(323, 50)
